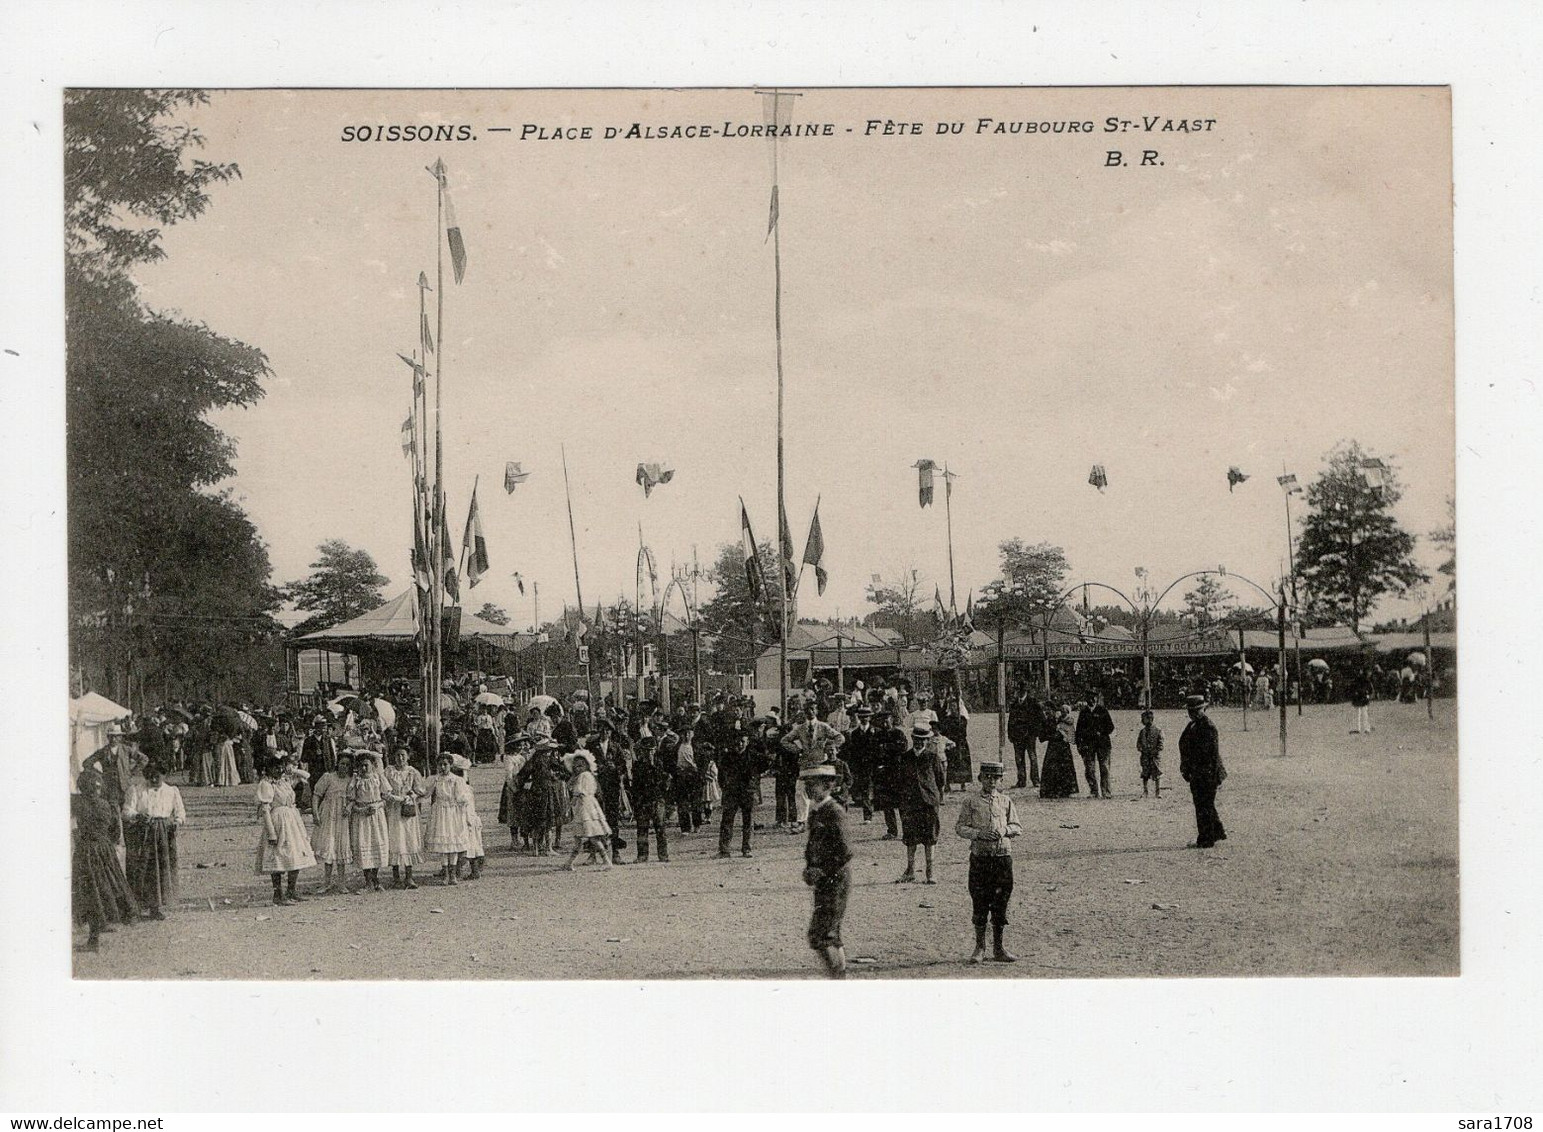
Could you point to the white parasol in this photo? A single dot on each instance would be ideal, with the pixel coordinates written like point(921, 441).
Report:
point(492, 699)
point(386, 712)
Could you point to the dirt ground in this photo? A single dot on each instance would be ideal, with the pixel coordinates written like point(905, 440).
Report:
point(1341, 860)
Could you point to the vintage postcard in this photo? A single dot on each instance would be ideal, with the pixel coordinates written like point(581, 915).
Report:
point(761, 533)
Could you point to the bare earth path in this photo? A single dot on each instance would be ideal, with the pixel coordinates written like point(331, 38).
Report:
point(1341, 860)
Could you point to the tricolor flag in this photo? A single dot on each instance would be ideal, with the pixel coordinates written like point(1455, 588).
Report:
point(652, 475)
point(1235, 476)
point(969, 612)
point(1098, 477)
point(924, 473)
point(452, 226)
point(937, 600)
point(1288, 483)
point(1376, 473)
point(755, 577)
point(420, 549)
point(407, 437)
point(452, 579)
point(814, 550)
point(520, 581)
point(785, 551)
point(514, 475)
point(473, 545)
point(423, 332)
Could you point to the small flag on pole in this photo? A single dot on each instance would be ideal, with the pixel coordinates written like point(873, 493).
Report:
point(1098, 477)
point(937, 600)
point(755, 577)
point(407, 437)
point(772, 223)
point(785, 552)
point(814, 550)
point(1376, 473)
point(514, 475)
point(1235, 476)
point(474, 545)
point(452, 579)
point(652, 475)
point(519, 581)
point(1288, 483)
point(924, 474)
point(969, 612)
point(452, 226)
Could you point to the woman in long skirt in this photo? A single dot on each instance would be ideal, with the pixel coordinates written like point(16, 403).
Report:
point(510, 807)
point(405, 790)
point(591, 831)
point(545, 796)
point(99, 890)
point(475, 854)
point(228, 772)
point(282, 847)
point(154, 816)
point(449, 800)
point(329, 836)
point(368, 834)
point(1058, 775)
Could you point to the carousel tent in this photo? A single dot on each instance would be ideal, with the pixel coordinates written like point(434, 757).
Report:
point(89, 717)
point(396, 624)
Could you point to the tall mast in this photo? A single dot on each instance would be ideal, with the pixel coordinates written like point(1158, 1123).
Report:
point(573, 539)
point(948, 509)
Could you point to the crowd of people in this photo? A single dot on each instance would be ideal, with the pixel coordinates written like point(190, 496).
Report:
point(350, 792)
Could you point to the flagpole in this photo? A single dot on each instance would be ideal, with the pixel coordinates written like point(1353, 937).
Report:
point(948, 510)
point(1296, 637)
point(573, 538)
point(437, 572)
point(782, 520)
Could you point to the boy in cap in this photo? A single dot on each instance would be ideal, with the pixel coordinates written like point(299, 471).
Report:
point(1149, 748)
point(827, 867)
point(989, 820)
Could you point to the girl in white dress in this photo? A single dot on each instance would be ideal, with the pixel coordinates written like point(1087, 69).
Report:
point(405, 788)
point(449, 800)
point(282, 847)
point(229, 772)
point(591, 830)
point(474, 854)
point(329, 836)
point(368, 835)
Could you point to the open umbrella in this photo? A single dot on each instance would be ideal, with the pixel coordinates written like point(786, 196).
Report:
point(1416, 660)
point(448, 702)
point(541, 702)
point(246, 721)
point(1248, 668)
point(492, 699)
point(1318, 664)
point(386, 712)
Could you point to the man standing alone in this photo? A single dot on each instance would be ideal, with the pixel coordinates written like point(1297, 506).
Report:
point(1095, 731)
point(1025, 720)
point(1200, 762)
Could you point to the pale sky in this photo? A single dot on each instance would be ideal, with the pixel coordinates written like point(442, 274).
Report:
point(1004, 303)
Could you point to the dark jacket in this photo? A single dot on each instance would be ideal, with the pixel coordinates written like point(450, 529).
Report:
point(1200, 753)
point(739, 770)
point(1094, 728)
point(1025, 720)
point(827, 850)
point(651, 783)
point(921, 780)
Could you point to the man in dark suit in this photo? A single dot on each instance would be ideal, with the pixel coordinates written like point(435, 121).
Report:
point(1200, 762)
point(1094, 735)
point(1025, 720)
point(739, 770)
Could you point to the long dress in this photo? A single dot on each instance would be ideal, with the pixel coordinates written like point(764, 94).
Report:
point(329, 806)
point(152, 845)
point(98, 889)
point(293, 850)
point(509, 808)
point(404, 832)
point(1058, 775)
point(957, 727)
point(542, 794)
point(449, 799)
point(588, 818)
point(229, 773)
point(474, 848)
point(368, 833)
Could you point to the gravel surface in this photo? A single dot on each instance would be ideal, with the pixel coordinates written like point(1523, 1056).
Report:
point(1341, 860)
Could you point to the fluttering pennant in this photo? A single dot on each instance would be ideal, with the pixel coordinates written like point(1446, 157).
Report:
point(1288, 484)
point(925, 470)
point(473, 545)
point(514, 475)
point(1235, 476)
point(519, 581)
point(1098, 477)
point(1375, 473)
point(422, 523)
point(969, 613)
point(652, 475)
point(755, 576)
point(417, 367)
point(814, 551)
point(940, 610)
point(772, 223)
point(452, 578)
point(453, 237)
point(407, 437)
point(779, 113)
point(789, 566)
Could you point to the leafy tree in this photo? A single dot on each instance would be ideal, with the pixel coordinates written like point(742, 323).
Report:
point(343, 584)
point(903, 605)
point(1208, 602)
point(492, 614)
point(739, 626)
point(168, 579)
point(1029, 588)
point(1352, 551)
point(1446, 538)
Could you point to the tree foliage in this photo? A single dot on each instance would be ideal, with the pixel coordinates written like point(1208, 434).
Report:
point(168, 578)
point(1208, 602)
point(343, 584)
point(493, 614)
point(1445, 537)
point(1352, 551)
point(903, 605)
point(1030, 585)
point(740, 626)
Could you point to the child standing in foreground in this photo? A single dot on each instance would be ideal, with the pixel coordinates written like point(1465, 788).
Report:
point(989, 820)
point(591, 830)
point(827, 868)
point(1149, 746)
point(475, 854)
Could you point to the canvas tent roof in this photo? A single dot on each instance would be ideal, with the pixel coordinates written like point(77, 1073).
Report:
point(396, 622)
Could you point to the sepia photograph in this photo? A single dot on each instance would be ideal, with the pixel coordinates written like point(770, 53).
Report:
point(761, 533)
